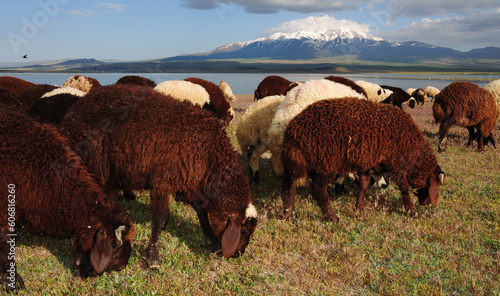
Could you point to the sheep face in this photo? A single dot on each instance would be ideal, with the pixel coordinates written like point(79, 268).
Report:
point(430, 194)
point(237, 235)
point(110, 248)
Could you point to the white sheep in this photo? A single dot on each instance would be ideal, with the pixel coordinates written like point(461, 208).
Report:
point(410, 90)
point(297, 100)
point(184, 91)
point(431, 91)
point(65, 90)
point(252, 131)
point(82, 83)
point(375, 93)
point(226, 89)
point(494, 88)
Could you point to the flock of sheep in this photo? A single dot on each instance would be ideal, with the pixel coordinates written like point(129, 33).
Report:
point(67, 152)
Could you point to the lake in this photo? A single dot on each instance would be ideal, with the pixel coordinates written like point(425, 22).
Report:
point(246, 83)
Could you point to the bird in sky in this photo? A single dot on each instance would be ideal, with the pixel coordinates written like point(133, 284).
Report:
point(25, 56)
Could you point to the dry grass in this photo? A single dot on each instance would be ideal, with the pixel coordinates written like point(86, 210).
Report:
point(452, 249)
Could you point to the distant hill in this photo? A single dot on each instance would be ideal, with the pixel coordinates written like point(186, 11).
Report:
point(302, 51)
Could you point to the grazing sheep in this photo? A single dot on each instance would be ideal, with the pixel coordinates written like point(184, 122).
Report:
point(52, 109)
point(222, 107)
point(333, 137)
point(228, 92)
point(185, 91)
point(252, 129)
point(53, 193)
point(14, 84)
point(295, 101)
point(399, 96)
point(420, 96)
point(65, 90)
point(136, 138)
point(271, 86)
point(431, 91)
point(410, 90)
point(31, 95)
point(348, 82)
point(468, 105)
point(82, 83)
point(136, 80)
point(374, 92)
point(494, 88)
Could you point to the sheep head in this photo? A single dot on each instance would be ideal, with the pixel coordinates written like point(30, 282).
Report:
point(105, 247)
point(237, 234)
point(430, 194)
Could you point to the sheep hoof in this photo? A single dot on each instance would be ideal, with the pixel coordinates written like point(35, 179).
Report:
point(331, 217)
point(153, 259)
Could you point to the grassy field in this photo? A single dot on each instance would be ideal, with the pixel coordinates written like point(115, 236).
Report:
point(453, 249)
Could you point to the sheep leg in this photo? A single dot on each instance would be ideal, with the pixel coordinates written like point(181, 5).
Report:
point(254, 157)
point(211, 239)
point(480, 141)
point(408, 204)
point(288, 195)
point(160, 203)
point(319, 186)
point(472, 135)
point(364, 183)
point(443, 133)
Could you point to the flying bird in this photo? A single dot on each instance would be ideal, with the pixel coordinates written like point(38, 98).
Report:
point(25, 56)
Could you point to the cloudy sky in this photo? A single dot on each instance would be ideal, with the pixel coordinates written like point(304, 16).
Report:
point(149, 29)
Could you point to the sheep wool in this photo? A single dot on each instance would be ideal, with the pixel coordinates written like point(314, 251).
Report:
point(375, 93)
point(184, 91)
point(65, 90)
point(228, 92)
point(270, 86)
point(14, 84)
point(297, 100)
point(468, 105)
point(333, 137)
point(252, 130)
point(432, 91)
point(136, 80)
point(494, 88)
point(82, 83)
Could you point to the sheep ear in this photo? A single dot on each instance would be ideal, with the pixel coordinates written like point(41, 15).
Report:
point(231, 237)
point(100, 256)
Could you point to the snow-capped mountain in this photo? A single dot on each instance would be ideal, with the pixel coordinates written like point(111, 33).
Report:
point(332, 43)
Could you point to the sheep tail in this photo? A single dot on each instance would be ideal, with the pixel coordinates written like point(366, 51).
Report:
point(295, 163)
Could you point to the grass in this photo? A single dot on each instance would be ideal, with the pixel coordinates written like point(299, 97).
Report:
point(453, 249)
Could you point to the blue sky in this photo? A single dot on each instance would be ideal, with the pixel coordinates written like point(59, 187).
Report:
point(150, 29)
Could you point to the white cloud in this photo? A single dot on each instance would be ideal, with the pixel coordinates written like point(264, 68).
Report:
point(318, 23)
point(274, 6)
point(112, 6)
point(83, 12)
point(461, 32)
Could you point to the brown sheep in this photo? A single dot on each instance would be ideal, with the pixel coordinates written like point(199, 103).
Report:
point(52, 192)
point(136, 139)
point(399, 96)
point(222, 108)
point(271, 86)
point(29, 96)
point(332, 137)
point(420, 96)
point(136, 80)
point(468, 105)
point(52, 109)
point(14, 84)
